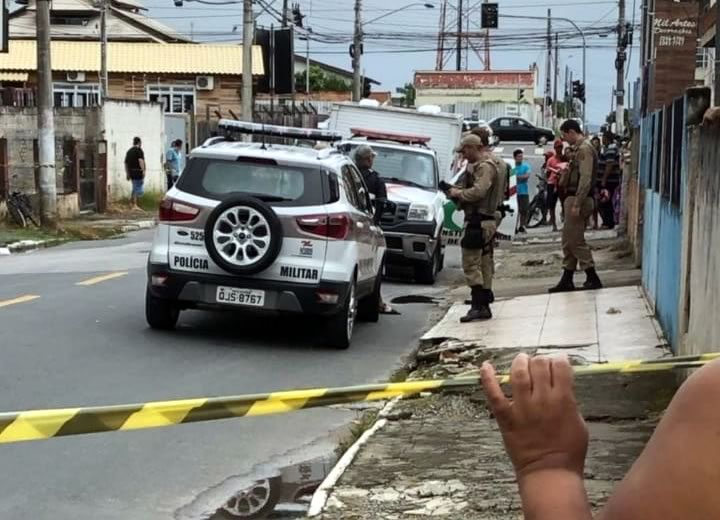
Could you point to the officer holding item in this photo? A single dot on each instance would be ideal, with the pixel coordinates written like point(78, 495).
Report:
point(481, 193)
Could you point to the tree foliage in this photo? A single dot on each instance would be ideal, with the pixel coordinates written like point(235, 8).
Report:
point(321, 81)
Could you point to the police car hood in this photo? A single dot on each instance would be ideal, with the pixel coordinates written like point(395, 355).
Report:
point(410, 194)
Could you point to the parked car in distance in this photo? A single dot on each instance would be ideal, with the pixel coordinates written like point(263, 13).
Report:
point(520, 130)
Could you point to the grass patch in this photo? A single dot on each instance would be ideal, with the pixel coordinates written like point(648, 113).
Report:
point(149, 202)
point(64, 233)
point(357, 428)
point(9, 235)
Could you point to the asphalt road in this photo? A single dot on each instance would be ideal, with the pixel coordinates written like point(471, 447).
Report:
point(67, 345)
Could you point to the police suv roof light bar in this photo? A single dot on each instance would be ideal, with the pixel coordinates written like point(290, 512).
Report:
point(377, 135)
point(243, 127)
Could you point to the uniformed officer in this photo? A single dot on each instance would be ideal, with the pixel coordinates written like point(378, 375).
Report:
point(577, 184)
point(479, 197)
point(364, 160)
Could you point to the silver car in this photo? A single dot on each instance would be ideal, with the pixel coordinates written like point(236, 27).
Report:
point(269, 228)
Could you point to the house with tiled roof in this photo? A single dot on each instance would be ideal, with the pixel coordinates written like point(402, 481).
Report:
point(146, 60)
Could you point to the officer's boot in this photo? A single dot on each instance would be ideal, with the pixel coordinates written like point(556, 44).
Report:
point(491, 298)
point(485, 301)
point(593, 280)
point(565, 284)
point(478, 309)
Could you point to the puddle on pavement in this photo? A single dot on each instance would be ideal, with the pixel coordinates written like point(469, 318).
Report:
point(415, 298)
point(284, 494)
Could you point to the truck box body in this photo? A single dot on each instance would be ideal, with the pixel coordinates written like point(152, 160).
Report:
point(444, 130)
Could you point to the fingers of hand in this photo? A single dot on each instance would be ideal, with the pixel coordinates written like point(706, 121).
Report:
point(520, 378)
point(499, 404)
point(563, 380)
point(541, 376)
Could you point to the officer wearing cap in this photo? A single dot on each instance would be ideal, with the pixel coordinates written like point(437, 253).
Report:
point(481, 193)
point(364, 159)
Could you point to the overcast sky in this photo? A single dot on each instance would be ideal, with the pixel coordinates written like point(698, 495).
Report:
point(406, 41)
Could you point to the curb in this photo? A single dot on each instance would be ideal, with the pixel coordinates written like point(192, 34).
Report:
point(138, 226)
point(24, 246)
point(322, 493)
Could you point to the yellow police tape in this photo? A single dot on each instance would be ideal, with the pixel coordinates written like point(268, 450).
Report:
point(45, 424)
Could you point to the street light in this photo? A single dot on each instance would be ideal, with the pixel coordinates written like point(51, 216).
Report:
point(356, 49)
point(582, 35)
point(416, 4)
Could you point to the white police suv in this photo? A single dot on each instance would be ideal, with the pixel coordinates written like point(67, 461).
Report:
point(266, 227)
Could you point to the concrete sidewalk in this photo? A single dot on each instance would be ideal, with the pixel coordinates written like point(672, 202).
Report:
point(610, 324)
point(442, 456)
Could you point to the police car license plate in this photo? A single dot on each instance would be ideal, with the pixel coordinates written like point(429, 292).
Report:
point(236, 296)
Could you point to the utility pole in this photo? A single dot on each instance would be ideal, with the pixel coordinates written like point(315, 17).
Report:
point(458, 43)
point(620, 68)
point(357, 49)
point(103, 51)
point(557, 73)
point(568, 91)
point(717, 54)
point(307, 65)
point(548, 67)
point(285, 14)
point(247, 81)
point(46, 123)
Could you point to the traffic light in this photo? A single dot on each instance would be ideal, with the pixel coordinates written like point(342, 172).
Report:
point(297, 15)
point(366, 88)
point(489, 16)
point(579, 90)
point(521, 94)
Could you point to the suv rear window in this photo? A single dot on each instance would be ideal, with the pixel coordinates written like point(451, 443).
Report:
point(279, 184)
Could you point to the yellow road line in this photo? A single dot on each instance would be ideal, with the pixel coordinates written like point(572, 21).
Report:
point(102, 278)
point(19, 299)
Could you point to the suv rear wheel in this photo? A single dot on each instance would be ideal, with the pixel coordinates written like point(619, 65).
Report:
point(339, 329)
point(243, 235)
point(160, 314)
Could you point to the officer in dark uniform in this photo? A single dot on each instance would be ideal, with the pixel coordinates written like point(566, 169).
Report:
point(364, 158)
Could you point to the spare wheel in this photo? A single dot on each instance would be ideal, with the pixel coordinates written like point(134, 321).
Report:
point(243, 235)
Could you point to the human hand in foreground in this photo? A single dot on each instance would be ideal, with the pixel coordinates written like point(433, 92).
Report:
point(541, 425)
point(544, 435)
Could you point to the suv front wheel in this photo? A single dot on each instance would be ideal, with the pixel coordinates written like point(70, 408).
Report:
point(339, 328)
point(426, 273)
point(160, 314)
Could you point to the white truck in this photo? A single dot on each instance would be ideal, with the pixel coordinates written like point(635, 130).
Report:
point(412, 219)
point(415, 150)
point(444, 130)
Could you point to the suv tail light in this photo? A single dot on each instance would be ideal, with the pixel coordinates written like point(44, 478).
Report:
point(174, 211)
point(335, 226)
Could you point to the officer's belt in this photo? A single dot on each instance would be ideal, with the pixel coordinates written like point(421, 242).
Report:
point(479, 216)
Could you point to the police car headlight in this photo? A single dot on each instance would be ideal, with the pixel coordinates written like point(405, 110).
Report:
point(421, 212)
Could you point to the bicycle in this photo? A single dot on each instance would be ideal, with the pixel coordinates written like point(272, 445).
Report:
point(20, 209)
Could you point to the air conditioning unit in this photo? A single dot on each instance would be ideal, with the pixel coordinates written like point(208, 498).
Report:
point(204, 82)
point(76, 77)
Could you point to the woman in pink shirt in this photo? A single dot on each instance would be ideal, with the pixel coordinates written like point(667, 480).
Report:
point(554, 165)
